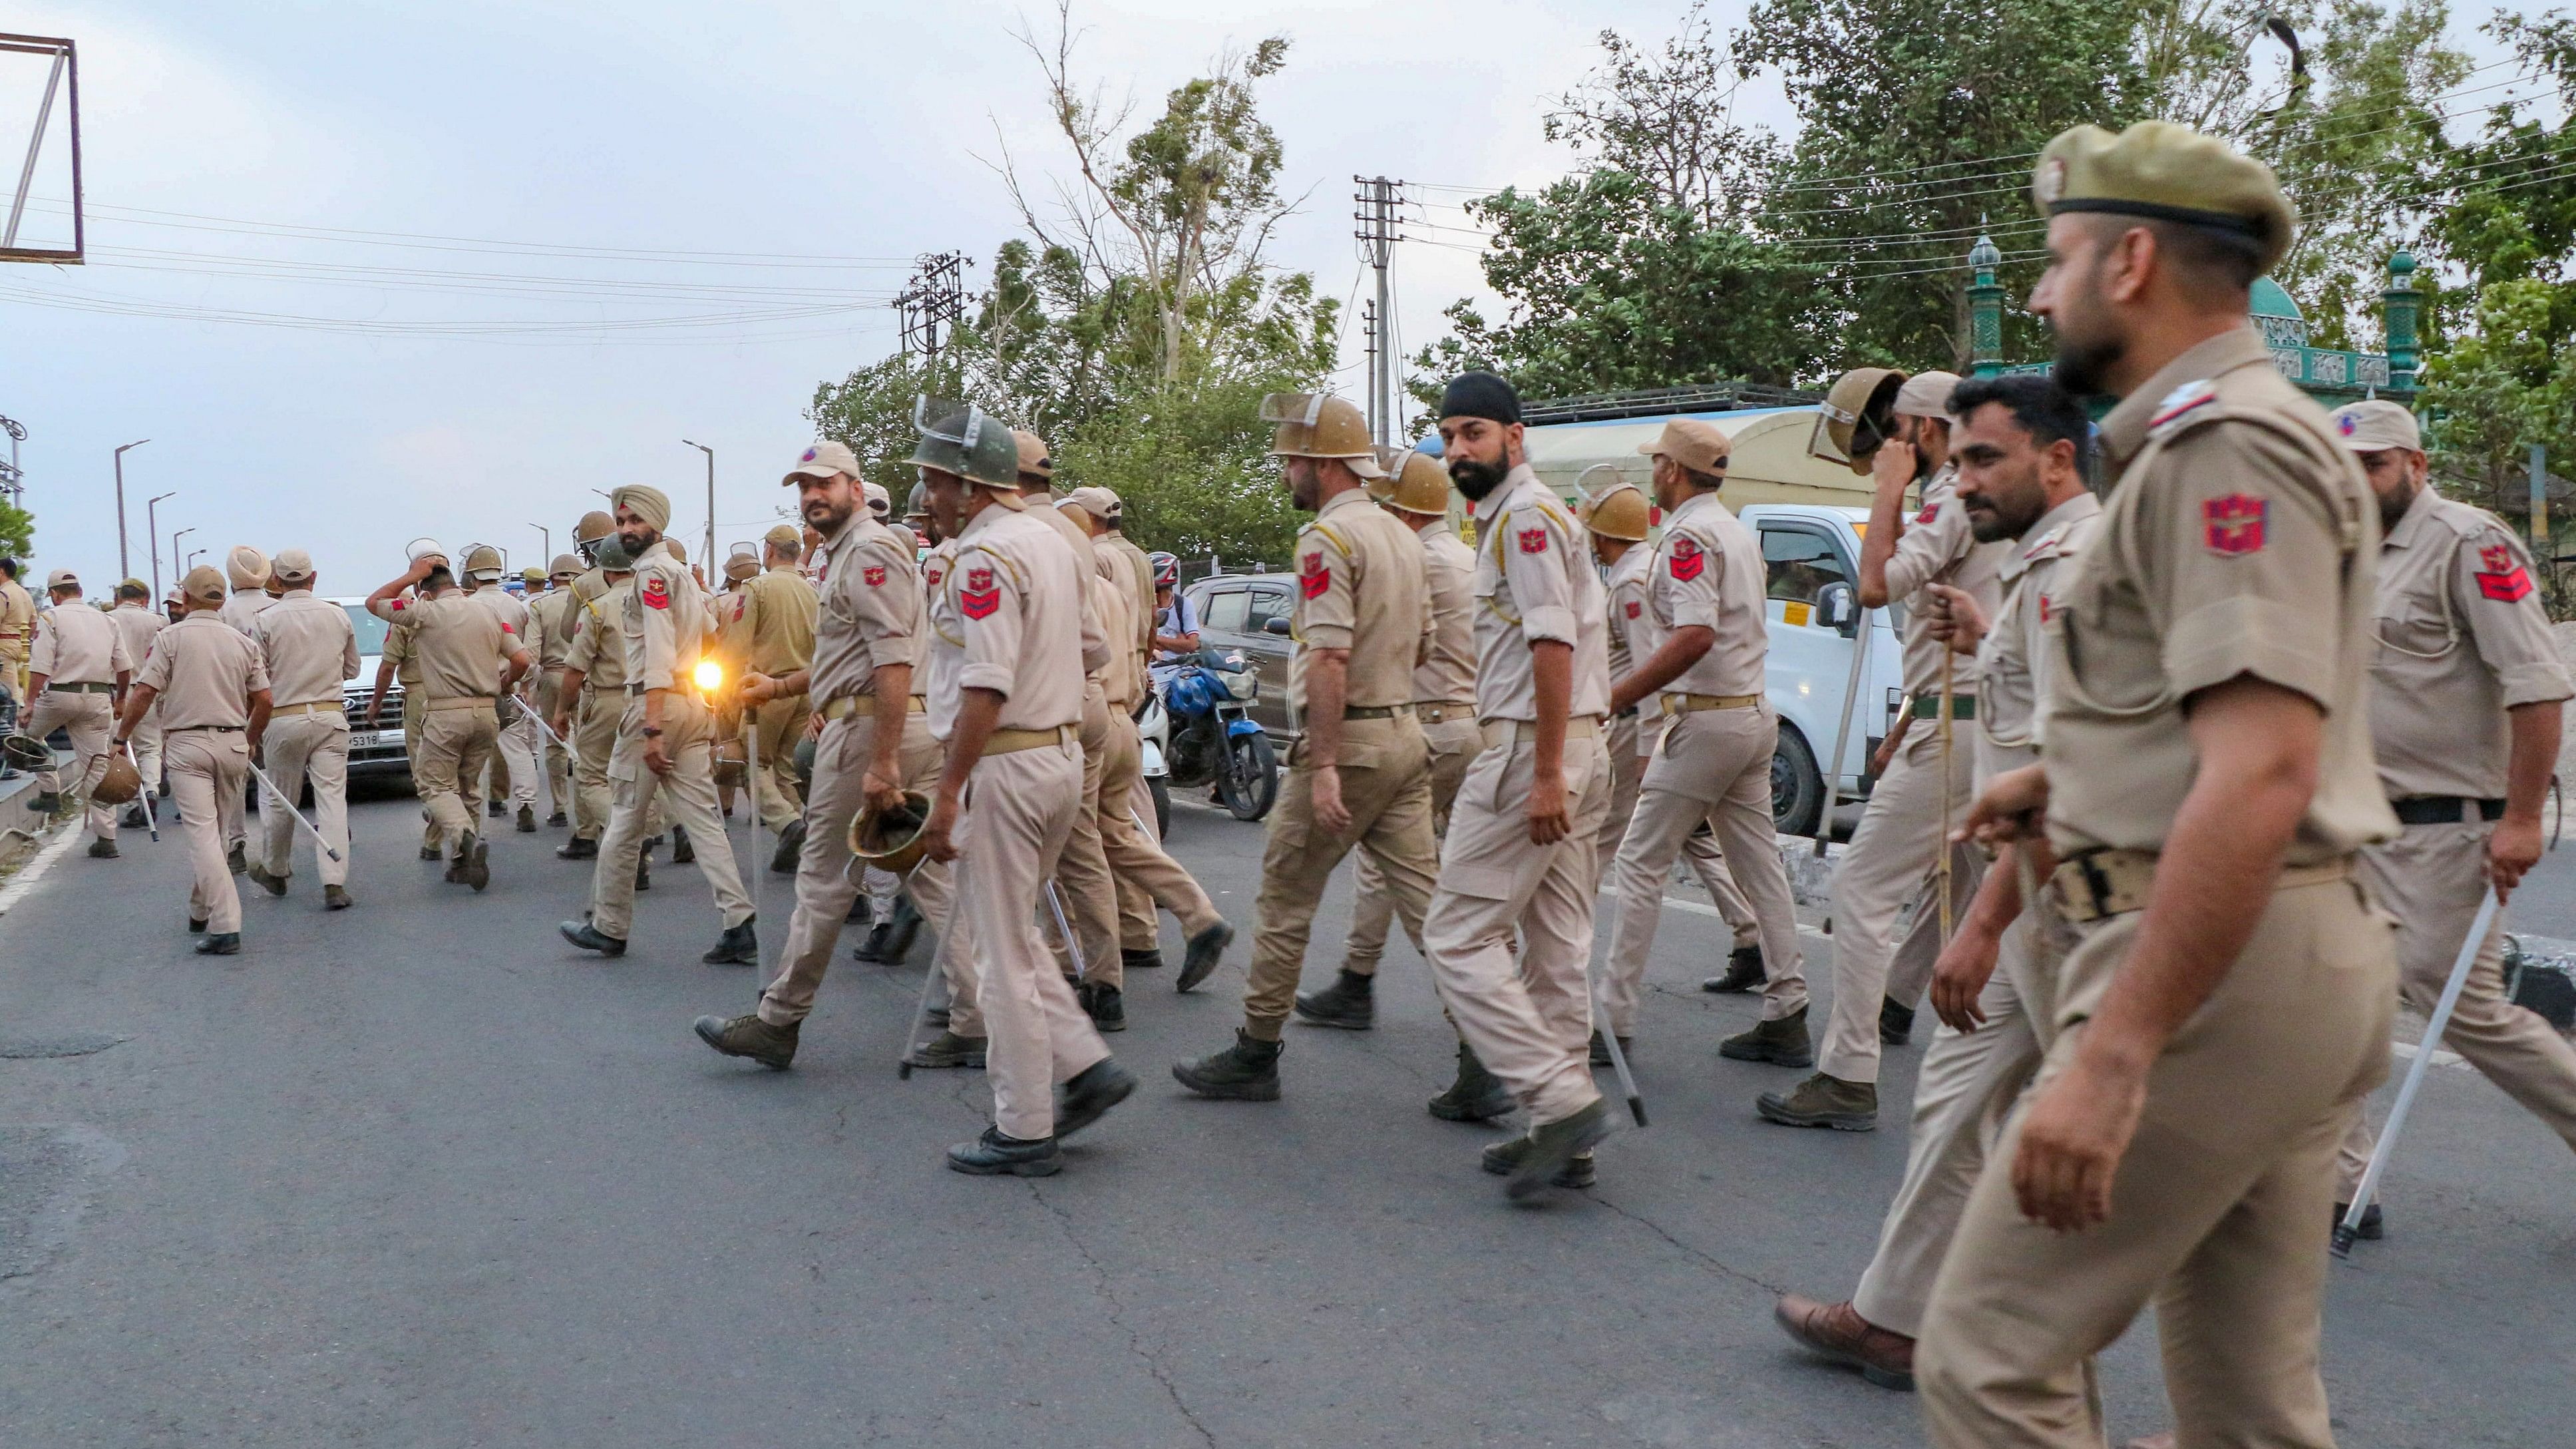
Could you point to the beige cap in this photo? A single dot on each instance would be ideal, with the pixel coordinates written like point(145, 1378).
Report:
point(204, 585)
point(292, 565)
point(880, 502)
point(62, 579)
point(823, 460)
point(2165, 172)
point(1033, 454)
point(2369, 427)
point(679, 550)
point(1692, 443)
point(247, 566)
point(1926, 395)
point(784, 536)
point(1098, 502)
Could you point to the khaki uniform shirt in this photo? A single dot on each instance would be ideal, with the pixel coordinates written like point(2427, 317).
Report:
point(1140, 567)
point(401, 654)
point(1360, 587)
point(664, 623)
point(2012, 660)
point(1938, 547)
point(1112, 601)
point(203, 673)
point(1447, 675)
point(1535, 583)
point(458, 644)
point(2461, 639)
point(309, 648)
point(1008, 614)
point(17, 618)
point(138, 627)
point(598, 645)
point(1707, 572)
point(2239, 538)
point(1073, 533)
point(243, 609)
point(934, 567)
point(510, 610)
point(75, 644)
point(869, 615)
point(779, 609)
point(1632, 635)
point(550, 627)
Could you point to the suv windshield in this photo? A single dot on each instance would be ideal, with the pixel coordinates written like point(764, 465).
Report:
point(371, 630)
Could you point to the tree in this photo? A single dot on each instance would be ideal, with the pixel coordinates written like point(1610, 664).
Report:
point(17, 531)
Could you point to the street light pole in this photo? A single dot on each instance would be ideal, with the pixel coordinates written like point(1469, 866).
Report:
point(711, 505)
point(194, 554)
point(547, 535)
point(176, 567)
point(152, 536)
point(122, 570)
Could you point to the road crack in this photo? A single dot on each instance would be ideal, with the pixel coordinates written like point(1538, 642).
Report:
point(1118, 1315)
point(1705, 1259)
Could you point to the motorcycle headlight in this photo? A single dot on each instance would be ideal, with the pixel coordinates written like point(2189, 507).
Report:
point(1242, 686)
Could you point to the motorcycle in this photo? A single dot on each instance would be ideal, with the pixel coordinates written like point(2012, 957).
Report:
point(1198, 729)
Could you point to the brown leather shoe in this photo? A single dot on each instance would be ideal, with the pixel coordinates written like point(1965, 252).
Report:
point(1837, 1331)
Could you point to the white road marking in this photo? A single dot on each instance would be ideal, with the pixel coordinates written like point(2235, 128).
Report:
point(25, 880)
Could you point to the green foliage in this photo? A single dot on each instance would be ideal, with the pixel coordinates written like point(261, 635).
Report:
point(17, 531)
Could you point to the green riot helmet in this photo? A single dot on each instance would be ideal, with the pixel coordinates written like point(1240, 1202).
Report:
point(611, 555)
point(958, 438)
point(918, 505)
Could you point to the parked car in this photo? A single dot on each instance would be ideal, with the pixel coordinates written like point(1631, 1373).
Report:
point(1821, 666)
point(1250, 612)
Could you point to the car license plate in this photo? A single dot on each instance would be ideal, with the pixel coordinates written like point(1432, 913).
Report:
point(373, 739)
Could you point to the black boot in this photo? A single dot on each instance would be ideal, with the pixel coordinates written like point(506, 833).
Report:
point(1141, 960)
point(577, 849)
point(1743, 972)
point(773, 1047)
point(890, 941)
point(1349, 1003)
point(1477, 1096)
point(860, 912)
point(1089, 1094)
point(1555, 1147)
point(221, 943)
point(236, 862)
point(738, 946)
point(1106, 1005)
point(590, 938)
point(993, 1155)
point(558, 820)
point(947, 1050)
point(1206, 949)
point(682, 852)
point(1601, 1050)
point(1247, 1071)
point(527, 820)
point(643, 874)
point(791, 841)
point(1895, 1022)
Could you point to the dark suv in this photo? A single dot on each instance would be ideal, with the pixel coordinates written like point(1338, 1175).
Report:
point(1250, 612)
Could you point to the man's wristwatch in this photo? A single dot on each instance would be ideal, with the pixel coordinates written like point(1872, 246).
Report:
point(651, 732)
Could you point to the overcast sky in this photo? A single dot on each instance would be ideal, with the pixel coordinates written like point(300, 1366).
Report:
point(426, 384)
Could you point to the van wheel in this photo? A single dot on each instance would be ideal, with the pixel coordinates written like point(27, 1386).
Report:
point(1797, 788)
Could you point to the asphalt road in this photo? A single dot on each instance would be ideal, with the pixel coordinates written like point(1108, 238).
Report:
point(419, 1175)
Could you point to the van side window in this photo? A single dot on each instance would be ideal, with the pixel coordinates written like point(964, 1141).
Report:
point(1797, 563)
point(1225, 610)
point(1267, 604)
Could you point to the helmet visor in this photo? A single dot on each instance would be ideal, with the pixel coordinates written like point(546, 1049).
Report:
point(1296, 409)
point(949, 420)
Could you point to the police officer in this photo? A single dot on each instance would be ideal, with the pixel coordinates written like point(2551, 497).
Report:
point(76, 672)
point(1517, 863)
point(401, 661)
point(859, 679)
point(17, 629)
point(1416, 492)
point(552, 614)
point(309, 649)
point(1009, 652)
point(1699, 656)
point(779, 609)
point(468, 657)
point(511, 771)
point(213, 693)
point(138, 624)
point(1139, 931)
point(665, 742)
point(247, 568)
point(594, 696)
point(2464, 717)
point(2019, 443)
point(1360, 775)
point(2206, 779)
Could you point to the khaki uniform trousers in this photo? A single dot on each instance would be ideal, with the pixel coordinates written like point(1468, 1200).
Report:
point(146, 740)
point(514, 759)
point(1385, 769)
point(825, 886)
point(2432, 878)
point(1019, 812)
point(1454, 744)
point(594, 743)
point(1889, 862)
point(2218, 1211)
point(299, 746)
point(90, 719)
point(556, 760)
point(207, 768)
point(774, 793)
point(1627, 776)
point(456, 740)
point(1083, 884)
point(414, 710)
point(687, 795)
point(1712, 765)
point(1528, 1015)
point(1139, 929)
point(1135, 857)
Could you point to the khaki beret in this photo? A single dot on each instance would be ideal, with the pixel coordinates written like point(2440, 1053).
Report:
point(204, 585)
point(62, 579)
point(1926, 395)
point(1695, 445)
point(1033, 454)
point(2369, 427)
point(292, 565)
point(2165, 172)
point(823, 460)
point(784, 536)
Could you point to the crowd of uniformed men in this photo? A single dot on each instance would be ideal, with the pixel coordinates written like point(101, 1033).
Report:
point(2202, 699)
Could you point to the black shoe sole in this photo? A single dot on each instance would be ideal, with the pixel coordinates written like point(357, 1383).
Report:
point(1535, 1176)
point(1115, 1023)
point(1073, 1117)
point(1491, 1109)
point(1035, 1167)
point(1767, 1054)
point(715, 1038)
point(919, 1061)
point(1224, 1091)
point(1837, 1121)
point(212, 947)
point(1194, 973)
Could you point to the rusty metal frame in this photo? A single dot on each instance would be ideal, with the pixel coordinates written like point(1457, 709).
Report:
point(68, 61)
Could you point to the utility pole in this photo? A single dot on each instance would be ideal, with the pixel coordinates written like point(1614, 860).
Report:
point(1378, 232)
point(709, 556)
point(933, 299)
point(546, 540)
point(152, 536)
point(176, 567)
point(123, 570)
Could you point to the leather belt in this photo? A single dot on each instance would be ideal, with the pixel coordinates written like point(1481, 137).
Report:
point(311, 706)
point(1011, 742)
point(1580, 727)
point(458, 701)
point(1376, 711)
point(2097, 884)
point(1441, 713)
point(2446, 810)
point(1928, 706)
point(848, 704)
point(219, 729)
point(79, 686)
point(1690, 703)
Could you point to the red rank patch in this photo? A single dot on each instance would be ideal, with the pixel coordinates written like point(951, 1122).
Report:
point(979, 598)
point(2045, 605)
point(1312, 577)
point(2504, 579)
point(1534, 540)
point(1928, 514)
point(2232, 527)
point(506, 629)
point(873, 577)
point(1687, 561)
point(1634, 608)
point(657, 594)
point(933, 574)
